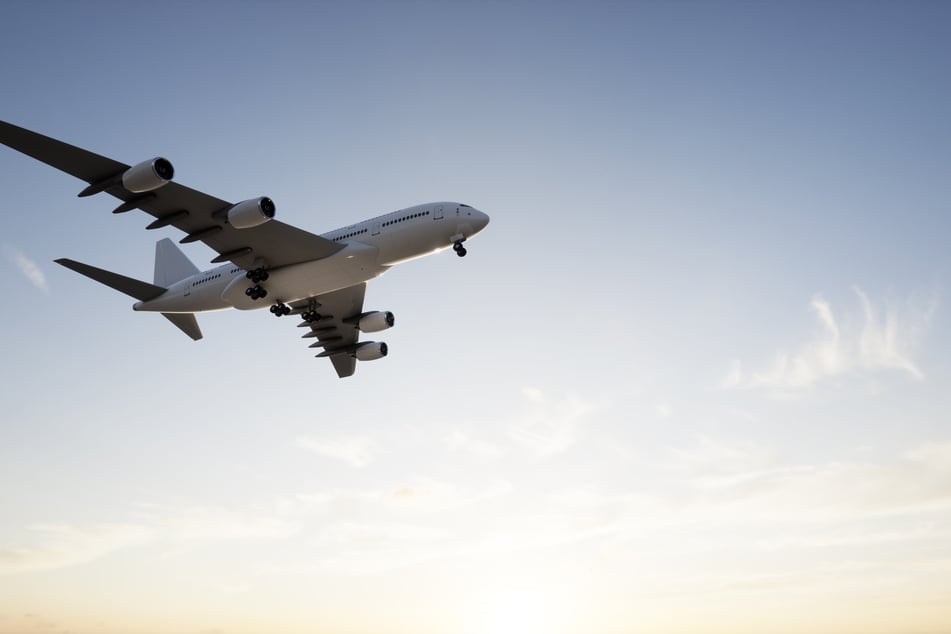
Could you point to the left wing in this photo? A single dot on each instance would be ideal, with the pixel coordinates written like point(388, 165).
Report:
point(334, 325)
point(271, 244)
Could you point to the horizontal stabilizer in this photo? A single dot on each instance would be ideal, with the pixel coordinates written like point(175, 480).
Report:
point(142, 291)
point(186, 322)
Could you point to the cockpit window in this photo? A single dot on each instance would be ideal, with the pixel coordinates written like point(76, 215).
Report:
point(466, 206)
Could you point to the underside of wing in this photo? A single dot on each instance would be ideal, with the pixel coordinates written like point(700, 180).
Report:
point(203, 218)
point(332, 322)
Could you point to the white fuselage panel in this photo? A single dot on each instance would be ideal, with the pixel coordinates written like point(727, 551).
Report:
point(371, 248)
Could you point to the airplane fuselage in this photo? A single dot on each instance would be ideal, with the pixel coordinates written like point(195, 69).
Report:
point(370, 248)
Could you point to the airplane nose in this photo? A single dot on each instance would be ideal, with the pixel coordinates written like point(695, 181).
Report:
point(481, 220)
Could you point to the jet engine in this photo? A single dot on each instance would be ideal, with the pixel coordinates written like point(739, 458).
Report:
point(148, 175)
point(370, 351)
point(251, 213)
point(376, 321)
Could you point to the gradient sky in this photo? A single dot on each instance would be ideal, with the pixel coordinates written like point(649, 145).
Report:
point(692, 378)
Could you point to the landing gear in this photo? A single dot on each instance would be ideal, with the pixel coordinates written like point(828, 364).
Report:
point(257, 275)
point(280, 309)
point(256, 292)
point(310, 316)
point(458, 248)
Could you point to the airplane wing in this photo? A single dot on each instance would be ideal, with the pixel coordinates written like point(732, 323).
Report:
point(271, 244)
point(330, 329)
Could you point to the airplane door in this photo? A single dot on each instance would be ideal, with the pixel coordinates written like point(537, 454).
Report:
point(376, 228)
point(437, 213)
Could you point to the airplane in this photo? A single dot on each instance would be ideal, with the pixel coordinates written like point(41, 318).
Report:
point(261, 261)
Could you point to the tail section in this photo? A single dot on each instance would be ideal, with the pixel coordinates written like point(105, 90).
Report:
point(171, 265)
point(142, 291)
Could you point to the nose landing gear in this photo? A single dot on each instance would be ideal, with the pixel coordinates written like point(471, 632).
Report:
point(458, 248)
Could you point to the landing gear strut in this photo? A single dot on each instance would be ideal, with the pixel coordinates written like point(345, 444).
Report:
point(458, 248)
point(256, 292)
point(280, 309)
point(257, 275)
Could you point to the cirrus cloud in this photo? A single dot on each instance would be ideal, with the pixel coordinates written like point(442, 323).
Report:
point(27, 267)
point(884, 338)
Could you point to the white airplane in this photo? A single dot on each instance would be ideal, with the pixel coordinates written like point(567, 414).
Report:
point(320, 278)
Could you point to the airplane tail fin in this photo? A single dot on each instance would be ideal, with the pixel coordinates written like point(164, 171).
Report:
point(171, 265)
point(142, 291)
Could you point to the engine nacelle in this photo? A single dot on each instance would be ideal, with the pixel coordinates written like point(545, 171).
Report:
point(376, 321)
point(251, 213)
point(148, 175)
point(370, 351)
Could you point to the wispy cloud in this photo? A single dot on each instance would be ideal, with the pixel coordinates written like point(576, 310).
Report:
point(211, 523)
point(549, 425)
point(462, 441)
point(27, 267)
point(357, 451)
point(54, 546)
point(60, 546)
point(882, 339)
point(760, 487)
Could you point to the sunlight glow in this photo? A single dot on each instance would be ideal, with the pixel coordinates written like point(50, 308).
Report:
point(515, 611)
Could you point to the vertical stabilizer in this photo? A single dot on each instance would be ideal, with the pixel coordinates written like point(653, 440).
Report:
point(171, 265)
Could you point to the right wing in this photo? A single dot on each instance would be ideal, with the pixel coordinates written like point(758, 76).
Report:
point(271, 244)
point(333, 333)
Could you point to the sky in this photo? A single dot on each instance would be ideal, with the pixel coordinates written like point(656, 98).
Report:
point(692, 378)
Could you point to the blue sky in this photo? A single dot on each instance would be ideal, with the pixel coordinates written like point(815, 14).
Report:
point(691, 378)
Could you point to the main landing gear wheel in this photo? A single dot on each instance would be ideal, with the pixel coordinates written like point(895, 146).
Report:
point(255, 292)
point(310, 316)
point(459, 249)
point(257, 275)
point(280, 309)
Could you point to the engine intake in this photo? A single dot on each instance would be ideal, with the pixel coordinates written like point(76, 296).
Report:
point(376, 321)
point(251, 213)
point(370, 351)
point(148, 175)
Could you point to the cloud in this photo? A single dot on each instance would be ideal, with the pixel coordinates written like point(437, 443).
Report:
point(459, 440)
point(356, 451)
point(370, 530)
point(549, 426)
point(27, 267)
point(886, 343)
point(206, 523)
point(884, 340)
point(742, 482)
point(61, 546)
point(414, 495)
point(56, 546)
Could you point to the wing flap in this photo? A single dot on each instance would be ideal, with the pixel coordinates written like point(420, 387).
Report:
point(330, 328)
